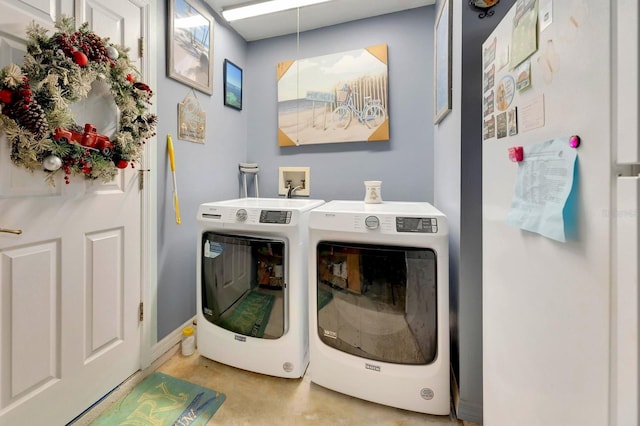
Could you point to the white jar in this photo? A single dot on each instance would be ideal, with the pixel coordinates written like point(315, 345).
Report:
point(188, 341)
point(373, 193)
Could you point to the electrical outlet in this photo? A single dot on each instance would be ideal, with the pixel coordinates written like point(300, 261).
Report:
point(297, 177)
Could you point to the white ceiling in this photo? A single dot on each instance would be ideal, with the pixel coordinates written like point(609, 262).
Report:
point(311, 17)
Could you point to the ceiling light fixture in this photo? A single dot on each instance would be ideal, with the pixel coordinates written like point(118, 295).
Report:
point(266, 7)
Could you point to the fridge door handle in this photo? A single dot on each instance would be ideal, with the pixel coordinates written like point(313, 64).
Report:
point(626, 83)
point(626, 320)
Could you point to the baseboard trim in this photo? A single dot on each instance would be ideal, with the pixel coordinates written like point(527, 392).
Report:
point(173, 338)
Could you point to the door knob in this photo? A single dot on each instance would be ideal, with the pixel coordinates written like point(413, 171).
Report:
point(11, 231)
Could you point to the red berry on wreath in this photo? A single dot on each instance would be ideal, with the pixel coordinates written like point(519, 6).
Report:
point(5, 96)
point(121, 164)
point(80, 58)
point(131, 78)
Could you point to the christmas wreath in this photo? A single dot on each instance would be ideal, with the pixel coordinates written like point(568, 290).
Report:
point(57, 72)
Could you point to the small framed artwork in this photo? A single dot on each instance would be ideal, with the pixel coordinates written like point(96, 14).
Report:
point(192, 119)
point(232, 85)
point(190, 44)
point(442, 61)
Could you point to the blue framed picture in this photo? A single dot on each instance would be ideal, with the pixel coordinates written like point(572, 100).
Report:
point(232, 85)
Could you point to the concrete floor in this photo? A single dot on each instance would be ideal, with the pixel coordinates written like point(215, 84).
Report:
point(256, 399)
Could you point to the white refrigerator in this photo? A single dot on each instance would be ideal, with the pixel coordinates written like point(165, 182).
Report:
point(560, 318)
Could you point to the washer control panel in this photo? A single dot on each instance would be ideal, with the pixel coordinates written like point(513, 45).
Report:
point(275, 216)
point(417, 224)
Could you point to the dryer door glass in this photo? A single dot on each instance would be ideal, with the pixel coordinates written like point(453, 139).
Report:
point(243, 284)
point(378, 302)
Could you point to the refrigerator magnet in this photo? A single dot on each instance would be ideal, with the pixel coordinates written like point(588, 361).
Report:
point(516, 154)
point(574, 141)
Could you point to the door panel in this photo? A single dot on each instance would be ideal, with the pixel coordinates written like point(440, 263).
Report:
point(29, 296)
point(17, 14)
point(104, 286)
point(70, 284)
point(15, 181)
point(120, 21)
point(114, 19)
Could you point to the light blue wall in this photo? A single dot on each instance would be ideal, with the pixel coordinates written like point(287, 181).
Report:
point(404, 163)
point(205, 172)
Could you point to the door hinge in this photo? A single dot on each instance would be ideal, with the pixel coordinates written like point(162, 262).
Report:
point(141, 312)
point(141, 47)
point(141, 178)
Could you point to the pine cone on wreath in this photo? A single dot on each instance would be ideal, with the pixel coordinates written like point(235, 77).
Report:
point(29, 115)
point(95, 48)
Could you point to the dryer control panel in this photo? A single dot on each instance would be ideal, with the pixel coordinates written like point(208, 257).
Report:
point(275, 216)
point(417, 224)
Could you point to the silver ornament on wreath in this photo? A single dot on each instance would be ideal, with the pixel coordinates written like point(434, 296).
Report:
point(112, 52)
point(52, 163)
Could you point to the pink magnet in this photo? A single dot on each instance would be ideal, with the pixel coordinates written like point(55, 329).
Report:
point(574, 141)
point(516, 154)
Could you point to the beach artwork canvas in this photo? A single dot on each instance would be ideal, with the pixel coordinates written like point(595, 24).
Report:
point(341, 97)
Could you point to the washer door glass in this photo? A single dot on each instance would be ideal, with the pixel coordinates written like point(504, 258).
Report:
point(243, 284)
point(378, 302)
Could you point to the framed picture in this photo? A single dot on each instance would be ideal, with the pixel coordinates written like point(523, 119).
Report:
point(442, 62)
point(321, 101)
point(190, 45)
point(192, 119)
point(232, 85)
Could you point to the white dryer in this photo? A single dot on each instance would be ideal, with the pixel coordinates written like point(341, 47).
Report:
point(252, 284)
point(379, 303)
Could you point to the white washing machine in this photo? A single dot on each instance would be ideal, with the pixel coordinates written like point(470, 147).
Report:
point(252, 284)
point(379, 303)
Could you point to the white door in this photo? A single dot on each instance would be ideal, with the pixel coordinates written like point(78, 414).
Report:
point(232, 277)
point(70, 283)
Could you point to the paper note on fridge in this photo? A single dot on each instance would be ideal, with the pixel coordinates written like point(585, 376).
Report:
point(543, 184)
